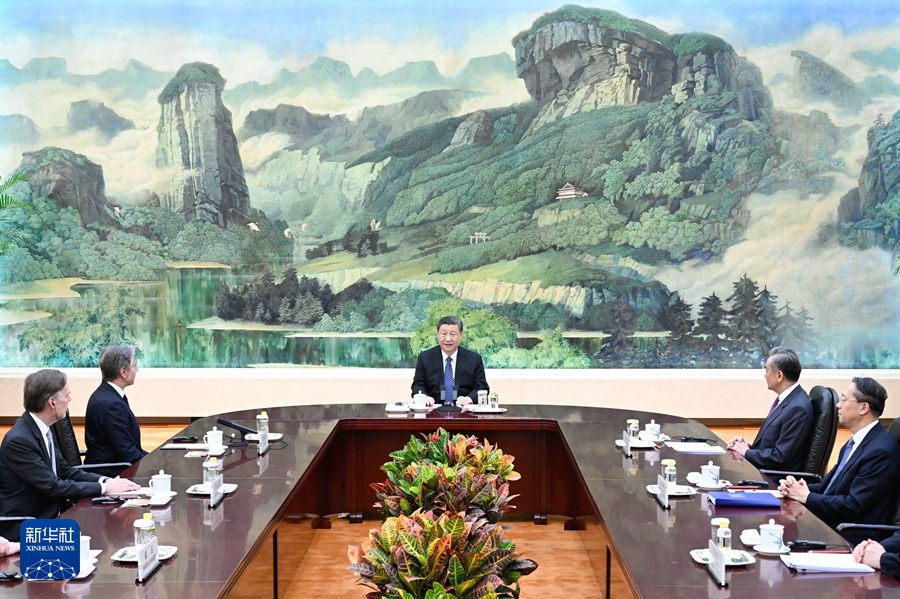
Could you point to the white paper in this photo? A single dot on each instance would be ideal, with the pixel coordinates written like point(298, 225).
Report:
point(682, 447)
point(824, 562)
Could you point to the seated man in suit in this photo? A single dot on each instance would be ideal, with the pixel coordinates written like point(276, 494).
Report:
point(449, 366)
point(782, 442)
point(111, 431)
point(884, 556)
point(35, 480)
point(859, 488)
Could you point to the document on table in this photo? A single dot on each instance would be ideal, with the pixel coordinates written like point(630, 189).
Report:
point(682, 447)
point(824, 562)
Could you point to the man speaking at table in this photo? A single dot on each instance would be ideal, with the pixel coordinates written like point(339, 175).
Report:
point(35, 480)
point(448, 366)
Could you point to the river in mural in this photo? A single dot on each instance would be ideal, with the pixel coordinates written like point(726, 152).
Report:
point(615, 185)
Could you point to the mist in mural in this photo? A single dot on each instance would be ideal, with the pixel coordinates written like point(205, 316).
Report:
point(619, 184)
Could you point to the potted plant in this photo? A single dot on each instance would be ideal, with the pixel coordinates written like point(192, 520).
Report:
point(442, 500)
point(452, 556)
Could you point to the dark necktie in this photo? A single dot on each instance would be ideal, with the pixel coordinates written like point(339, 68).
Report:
point(837, 471)
point(774, 405)
point(52, 450)
point(448, 381)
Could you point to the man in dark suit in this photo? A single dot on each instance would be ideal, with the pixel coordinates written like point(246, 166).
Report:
point(861, 486)
point(448, 362)
point(35, 480)
point(111, 431)
point(782, 442)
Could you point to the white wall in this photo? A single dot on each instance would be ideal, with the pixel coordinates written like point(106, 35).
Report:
point(702, 394)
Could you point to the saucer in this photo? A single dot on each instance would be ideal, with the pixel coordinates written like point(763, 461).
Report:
point(642, 435)
point(201, 490)
point(734, 557)
point(425, 409)
point(86, 570)
point(272, 437)
point(674, 490)
point(151, 494)
point(161, 499)
point(762, 551)
point(750, 536)
point(127, 554)
point(637, 444)
point(391, 407)
point(695, 477)
point(480, 409)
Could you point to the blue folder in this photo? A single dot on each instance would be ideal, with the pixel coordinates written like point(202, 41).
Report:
point(743, 499)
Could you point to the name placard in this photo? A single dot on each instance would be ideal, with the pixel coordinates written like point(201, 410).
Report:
point(626, 443)
point(662, 494)
point(263, 442)
point(716, 565)
point(215, 490)
point(147, 558)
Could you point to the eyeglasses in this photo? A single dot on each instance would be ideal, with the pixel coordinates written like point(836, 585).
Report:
point(845, 399)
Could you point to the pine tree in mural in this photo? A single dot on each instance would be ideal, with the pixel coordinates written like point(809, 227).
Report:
point(618, 349)
point(743, 318)
point(678, 320)
point(711, 332)
point(767, 313)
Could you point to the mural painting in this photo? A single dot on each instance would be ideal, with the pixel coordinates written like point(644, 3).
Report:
point(620, 184)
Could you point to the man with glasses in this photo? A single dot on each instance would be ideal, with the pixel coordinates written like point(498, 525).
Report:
point(782, 442)
point(111, 431)
point(861, 486)
point(35, 480)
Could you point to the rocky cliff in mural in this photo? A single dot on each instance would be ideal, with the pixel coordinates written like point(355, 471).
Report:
point(575, 59)
point(815, 81)
point(72, 181)
point(198, 147)
point(870, 213)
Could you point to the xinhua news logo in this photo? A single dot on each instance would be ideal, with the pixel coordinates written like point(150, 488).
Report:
point(50, 549)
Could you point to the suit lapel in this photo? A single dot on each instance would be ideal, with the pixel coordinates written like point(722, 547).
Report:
point(41, 441)
point(460, 358)
point(856, 454)
point(775, 415)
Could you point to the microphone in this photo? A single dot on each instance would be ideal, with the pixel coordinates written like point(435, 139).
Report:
point(238, 427)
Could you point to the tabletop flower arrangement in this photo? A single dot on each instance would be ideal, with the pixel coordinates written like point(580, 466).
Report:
point(442, 501)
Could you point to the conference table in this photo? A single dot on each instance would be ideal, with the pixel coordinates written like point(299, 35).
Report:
point(329, 455)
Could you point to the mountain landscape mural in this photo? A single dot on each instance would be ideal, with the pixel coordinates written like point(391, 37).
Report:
point(590, 189)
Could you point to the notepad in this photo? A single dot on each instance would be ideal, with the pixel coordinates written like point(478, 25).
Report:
point(682, 447)
point(824, 562)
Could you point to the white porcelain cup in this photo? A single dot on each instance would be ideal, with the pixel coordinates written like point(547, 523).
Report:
point(213, 438)
point(771, 536)
point(709, 475)
point(161, 483)
point(420, 401)
point(652, 430)
point(85, 549)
